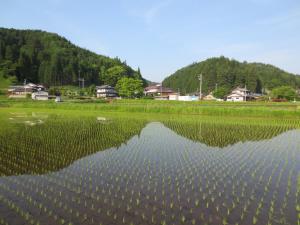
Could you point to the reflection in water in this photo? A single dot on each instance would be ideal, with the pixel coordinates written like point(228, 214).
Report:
point(160, 177)
point(29, 146)
point(222, 135)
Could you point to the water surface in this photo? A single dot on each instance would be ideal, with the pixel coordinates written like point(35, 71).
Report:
point(160, 177)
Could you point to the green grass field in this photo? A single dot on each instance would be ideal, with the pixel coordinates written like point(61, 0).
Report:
point(248, 109)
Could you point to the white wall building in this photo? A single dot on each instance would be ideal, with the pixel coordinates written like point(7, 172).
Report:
point(240, 95)
point(106, 91)
point(158, 90)
point(186, 98)
point(40, 95)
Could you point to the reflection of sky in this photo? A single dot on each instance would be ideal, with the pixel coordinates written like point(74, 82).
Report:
point(159, 168)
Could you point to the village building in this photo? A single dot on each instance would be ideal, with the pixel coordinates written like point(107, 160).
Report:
point(106, 91)
point(240, 95)
point(174, 97)
point(20, 91)
point(186, 98)
point(40, 95)
point(158, 91)
point(209, 97)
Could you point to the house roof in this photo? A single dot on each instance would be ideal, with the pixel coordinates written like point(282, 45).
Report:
point(104, 87)
point(20, 89)
point(235, 95)
point(240, 89)
point(209, 96)
point(158, 88)
point(40, 93)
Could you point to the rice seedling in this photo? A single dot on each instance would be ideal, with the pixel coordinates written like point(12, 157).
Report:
point(121, 171)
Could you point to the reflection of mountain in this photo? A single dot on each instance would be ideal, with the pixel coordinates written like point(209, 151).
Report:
point(222, 135)
point(161, 171)
point(57, 142)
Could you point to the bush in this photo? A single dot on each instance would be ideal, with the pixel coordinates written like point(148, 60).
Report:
point(284, 92)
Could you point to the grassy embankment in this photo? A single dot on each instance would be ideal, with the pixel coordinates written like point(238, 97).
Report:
point(248, 109)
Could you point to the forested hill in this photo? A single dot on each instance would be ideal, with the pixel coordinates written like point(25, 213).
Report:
point(230, 74)
point(50, 59)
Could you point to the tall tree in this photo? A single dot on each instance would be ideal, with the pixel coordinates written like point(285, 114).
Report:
point(129, 87)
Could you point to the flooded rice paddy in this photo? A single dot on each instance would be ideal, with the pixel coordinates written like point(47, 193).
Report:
point(116, 171)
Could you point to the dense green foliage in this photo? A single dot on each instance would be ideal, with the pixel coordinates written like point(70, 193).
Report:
point(230, 74)
point(284, 92)
point(47, 58)
point(221, 92)
point(129, 87)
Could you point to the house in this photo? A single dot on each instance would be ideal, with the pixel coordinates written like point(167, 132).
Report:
point(188, 98)
point(209, 97)
point(20, 91)
point(106, 91)
point(240, 95)
point(174, 97)
point(185, 98)
point(158, 90)
point(40, 95)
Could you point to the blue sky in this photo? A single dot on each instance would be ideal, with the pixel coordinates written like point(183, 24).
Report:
point(161, 36)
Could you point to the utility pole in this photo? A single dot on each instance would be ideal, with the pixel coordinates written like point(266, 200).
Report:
point(25, 86)
point(81, 85)
point(79, 77)
point(200, 90)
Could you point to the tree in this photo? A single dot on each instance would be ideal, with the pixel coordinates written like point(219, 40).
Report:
point(285, 92)
point(221, 92)
point(129, 87)
point(92, 90)
point(113, 74)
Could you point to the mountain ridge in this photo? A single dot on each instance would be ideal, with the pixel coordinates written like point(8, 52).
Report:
point(230, 73)
point(51, 59)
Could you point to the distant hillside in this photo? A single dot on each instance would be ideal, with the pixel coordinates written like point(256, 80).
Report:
point(50, 59)
point(229, 74)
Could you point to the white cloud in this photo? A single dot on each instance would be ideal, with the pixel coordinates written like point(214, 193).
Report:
point(147, 13)
point(151, 13)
